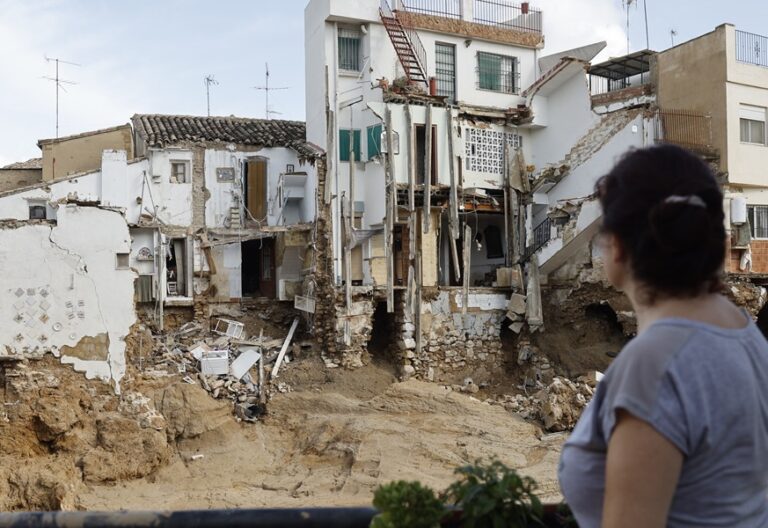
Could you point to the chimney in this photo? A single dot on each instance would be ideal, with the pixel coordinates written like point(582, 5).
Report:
point(524, 7)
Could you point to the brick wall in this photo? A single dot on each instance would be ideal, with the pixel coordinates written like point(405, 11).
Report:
point(759, 257)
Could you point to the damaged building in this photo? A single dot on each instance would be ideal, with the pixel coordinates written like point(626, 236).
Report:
point(209, 211)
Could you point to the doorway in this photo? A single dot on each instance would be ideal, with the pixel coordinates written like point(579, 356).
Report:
point(400, 253)
point(421, 150)
point(258, 268)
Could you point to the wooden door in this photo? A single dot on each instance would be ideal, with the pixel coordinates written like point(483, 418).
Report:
point(256, 188)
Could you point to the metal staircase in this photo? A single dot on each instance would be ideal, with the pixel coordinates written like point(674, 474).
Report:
point(407, 45)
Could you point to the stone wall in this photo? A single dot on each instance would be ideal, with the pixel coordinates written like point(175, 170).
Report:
point(453, 345)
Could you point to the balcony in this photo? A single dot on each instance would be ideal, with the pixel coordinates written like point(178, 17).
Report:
point(496, 20)
point(691, 130)
point(751, 48)
point(621, 79)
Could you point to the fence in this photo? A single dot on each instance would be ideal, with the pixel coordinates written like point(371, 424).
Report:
point(683, 128)
point(505, 14)
point(443, 8)
point(751, 48)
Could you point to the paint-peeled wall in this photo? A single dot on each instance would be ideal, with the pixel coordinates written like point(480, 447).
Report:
point(67, 289)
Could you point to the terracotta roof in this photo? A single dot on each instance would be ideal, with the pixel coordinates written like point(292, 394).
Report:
point(166, 130)
point(34, 163)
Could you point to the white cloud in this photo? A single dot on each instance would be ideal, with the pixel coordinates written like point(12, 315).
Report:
point(572, 23)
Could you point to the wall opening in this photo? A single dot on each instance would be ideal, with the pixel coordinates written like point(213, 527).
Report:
point(258, 268)
point(603, 313)
point(421, 148)
point(400, 253)
point(176, 262)
point(382, 331)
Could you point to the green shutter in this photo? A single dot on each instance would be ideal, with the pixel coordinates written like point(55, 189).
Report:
point(489, 70)
point(374, 140)
point(344, 145)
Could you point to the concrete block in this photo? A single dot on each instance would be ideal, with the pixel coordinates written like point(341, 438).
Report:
point(410, 344)
point(516, 304)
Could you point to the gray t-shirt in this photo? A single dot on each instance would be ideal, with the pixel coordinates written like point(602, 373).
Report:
point(705, 389)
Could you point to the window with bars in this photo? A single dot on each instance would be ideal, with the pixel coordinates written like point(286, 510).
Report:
point(349, 49)
point(445, 70)
point(498, 73)
point(758, 220)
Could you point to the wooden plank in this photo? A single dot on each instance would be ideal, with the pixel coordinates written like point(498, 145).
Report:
point(427, 217)
point(330, 139)
point(417, 305)
point(411, 182)
point(467, 263)
point(284, 349)
point(391, 209)
point(347, 256)
point(262, 392)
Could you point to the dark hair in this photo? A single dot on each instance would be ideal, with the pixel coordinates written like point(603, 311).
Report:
point(665, 206)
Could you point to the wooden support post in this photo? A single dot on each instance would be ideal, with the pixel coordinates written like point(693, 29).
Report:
point(417, 304)
point(347, 255)
point(391, 206)
point(467, 263)
point(329, 128)
point(284, 348)
point(453, 206)
point(411, 184)
point(262, 392)
point(427, 217)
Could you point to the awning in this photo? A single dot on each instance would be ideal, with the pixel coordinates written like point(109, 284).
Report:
point(624, 67)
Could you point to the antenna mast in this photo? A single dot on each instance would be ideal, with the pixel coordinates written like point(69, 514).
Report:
point(267, 89)
point(672, 35)
point(647, 34)
point(59, 84)
point(628, 3)
point(209, 80)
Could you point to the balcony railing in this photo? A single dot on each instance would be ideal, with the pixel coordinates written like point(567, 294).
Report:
point(751, 48)
point(507, 15)
point(442, 8)
point(499, 13)
point(542, 234)
point(686, 129)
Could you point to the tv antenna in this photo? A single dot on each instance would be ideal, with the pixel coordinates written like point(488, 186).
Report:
point(59, 84)
point(209, 80)
point(267, 89)
point(672, 35)
point(628, 3)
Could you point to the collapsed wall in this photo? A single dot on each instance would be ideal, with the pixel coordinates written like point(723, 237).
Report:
point(66, 288)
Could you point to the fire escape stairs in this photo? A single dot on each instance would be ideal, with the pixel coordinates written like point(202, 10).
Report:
point(415, 71)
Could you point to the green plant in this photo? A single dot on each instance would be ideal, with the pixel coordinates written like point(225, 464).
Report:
point(495, 496)
point(406, 505)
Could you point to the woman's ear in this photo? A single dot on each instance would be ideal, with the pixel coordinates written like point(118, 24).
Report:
point(617, 252)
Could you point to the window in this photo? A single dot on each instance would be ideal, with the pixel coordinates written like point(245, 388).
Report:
point(37, 212)
point(445, 69)
point(758, 220)
point(752, 124)
point(349, 49)
point(344, 144)
point(493, 246)
point(179, 172)
point(497, 72)
point(376, 137)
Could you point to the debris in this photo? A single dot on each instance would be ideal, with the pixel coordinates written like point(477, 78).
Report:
point(516, 304)
point(229, 328)
point(199, 349)
point(196, 457)
point(283, 350)
point(243, 363)
point(215, 362)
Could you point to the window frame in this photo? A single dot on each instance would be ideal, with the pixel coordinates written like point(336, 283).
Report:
point(187, 171)
point(356, 134)
point(350, 34)
point(749, 140)
point(452, 97)
point(514, 73)
point(751, 210)
point(37, 206)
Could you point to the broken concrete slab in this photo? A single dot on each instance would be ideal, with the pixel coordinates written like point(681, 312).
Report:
point(517, 304)
point(198, 350)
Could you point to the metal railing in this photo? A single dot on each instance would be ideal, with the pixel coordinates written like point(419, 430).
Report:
point(508, 15)
point(687, 129)
point(411, 34)
point(442, 8)
point(497, 73)
point(542, 234)
point(603, 85)
point(751, 48)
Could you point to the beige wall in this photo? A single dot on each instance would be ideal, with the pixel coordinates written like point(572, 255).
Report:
point(83, 152)
point(16, 178)
point(747, 84)
point(692, 76)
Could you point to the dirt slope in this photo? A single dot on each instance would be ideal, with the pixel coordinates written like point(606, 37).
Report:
point(321, 448)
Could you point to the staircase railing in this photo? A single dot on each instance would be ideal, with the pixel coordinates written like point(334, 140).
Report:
point(385, 10)
point(542, 234)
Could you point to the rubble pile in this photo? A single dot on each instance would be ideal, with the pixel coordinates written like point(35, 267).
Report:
point(223, 361)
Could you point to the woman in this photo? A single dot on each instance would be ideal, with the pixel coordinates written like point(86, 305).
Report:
point(677, 433)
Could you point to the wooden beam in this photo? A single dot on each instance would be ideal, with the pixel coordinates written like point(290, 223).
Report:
point(347, 255)
point(411, 184)
point(391, 209)
point(467, 263)
point(329, 130)
point(427, 217)
point(417, 304)
point(284, 349)
point(453, 203)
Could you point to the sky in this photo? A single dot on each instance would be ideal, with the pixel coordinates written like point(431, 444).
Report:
point(151, 56)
